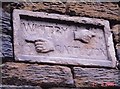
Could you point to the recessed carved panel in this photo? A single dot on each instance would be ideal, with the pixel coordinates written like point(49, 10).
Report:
point(60, 39)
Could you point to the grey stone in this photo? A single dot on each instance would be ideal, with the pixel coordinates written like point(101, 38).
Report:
point(61, 39)
point(5, 22)
point(6, 46)
point(5, 35)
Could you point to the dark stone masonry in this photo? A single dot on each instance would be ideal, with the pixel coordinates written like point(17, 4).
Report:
point(51, 73)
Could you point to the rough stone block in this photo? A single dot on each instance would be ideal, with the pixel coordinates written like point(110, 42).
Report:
point(6, 46)
point(116, 33)
point(118, 51)
point(107, 10)
point(6, 50)
point(36, 75)
point(56, 7)
point(96, 77)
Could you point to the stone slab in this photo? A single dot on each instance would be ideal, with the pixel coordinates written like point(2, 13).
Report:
point(61, 39)
point(96, 77)
point(36, 75)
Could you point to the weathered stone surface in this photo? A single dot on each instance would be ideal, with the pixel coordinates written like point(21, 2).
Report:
point(96, 77)
point(116, 33)
point(37, 75)
point(0, 73)
point(63, 88)
point(89, 88)
point(72, 40)
point(6, 49)
point(6, 46)
point(18, 87)
point(106, 10)
point(57, 7)
point(118, 52)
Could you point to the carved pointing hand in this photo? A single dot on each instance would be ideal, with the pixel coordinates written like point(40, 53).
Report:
point(41, 45)
point(44, 46)
point(84, 35)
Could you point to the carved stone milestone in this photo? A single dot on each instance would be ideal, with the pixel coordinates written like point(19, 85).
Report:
point(61, 39)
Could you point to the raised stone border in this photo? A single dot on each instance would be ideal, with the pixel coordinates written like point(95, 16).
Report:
point(83, 20)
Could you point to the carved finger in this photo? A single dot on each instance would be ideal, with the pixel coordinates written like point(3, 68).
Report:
point(45, 50)
point(39, 43)
point(39, 49)
point(39, 46)
point(86, 39)
point(41, 40)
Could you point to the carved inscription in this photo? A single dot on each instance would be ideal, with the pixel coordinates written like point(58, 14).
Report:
point(54, 39)
point(62, 39)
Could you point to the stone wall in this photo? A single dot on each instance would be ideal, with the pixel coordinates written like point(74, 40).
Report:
point(105, 10)
point(47, 76)
point(52, 76)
